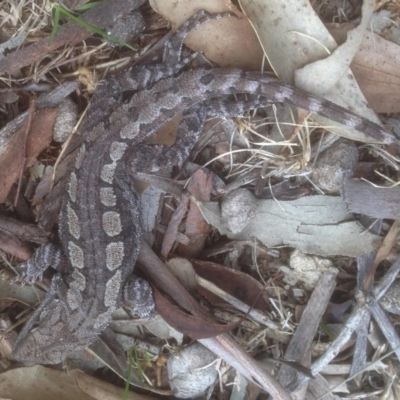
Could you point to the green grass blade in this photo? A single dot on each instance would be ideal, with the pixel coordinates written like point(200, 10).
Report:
point(87, 6)
point(56, 21)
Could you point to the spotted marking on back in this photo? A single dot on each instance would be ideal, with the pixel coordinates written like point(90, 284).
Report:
point(117, 150)
point(114, 255)
point(113, 289)
point(314, 106)
point(79, 281)
point(76, 256)
point(167, 102)
point(282, 95)
point(74, 298)
point(107, 173)
point(353, 121)
point(72, 187)
point(108, 197)
point(73, 222)
point(112, 223)
point(129, 131)
point(103, 319)
point(80, 156)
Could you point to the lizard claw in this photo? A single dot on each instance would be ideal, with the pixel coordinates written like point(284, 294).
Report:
point(30, 275)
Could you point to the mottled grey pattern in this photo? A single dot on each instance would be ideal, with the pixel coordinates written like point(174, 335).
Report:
point(105, 246)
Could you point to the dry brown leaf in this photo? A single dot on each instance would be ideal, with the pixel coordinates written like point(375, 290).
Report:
point(379, 81)
point(196, 326)
point(240, 285)
point(197, 228)
point(12, 157)
point(303, 53)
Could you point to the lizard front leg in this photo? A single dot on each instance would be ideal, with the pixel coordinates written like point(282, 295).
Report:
point(45, 256)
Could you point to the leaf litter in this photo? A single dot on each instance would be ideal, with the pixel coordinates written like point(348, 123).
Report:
point(275, 158)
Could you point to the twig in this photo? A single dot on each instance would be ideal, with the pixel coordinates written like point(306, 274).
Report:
point(28, 124)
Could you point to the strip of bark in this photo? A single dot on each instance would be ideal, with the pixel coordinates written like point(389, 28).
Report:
point(363, 198)
point(310, 320)
point(24, 231)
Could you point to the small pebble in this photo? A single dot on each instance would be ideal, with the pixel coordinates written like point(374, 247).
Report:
point(335, 165)
point(237, 209)
point(191, 371)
